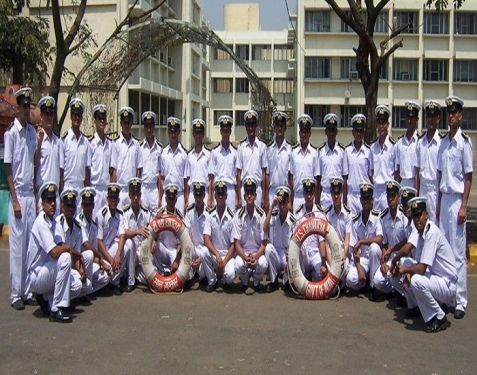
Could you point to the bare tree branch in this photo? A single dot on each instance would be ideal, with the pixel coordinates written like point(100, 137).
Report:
point(80, 42)
point(390, 51)
point(391, 36)
point(381, 5)
point(76, 24)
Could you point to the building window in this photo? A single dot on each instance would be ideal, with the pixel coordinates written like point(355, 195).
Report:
point(399, 118)
point(217, 114)
point(262, 52)
point(383, 72)
point(242, 51)
point(411, 19)
point(317, 21)
point(239, 118)
point(405, 70)
point(241, 85)
point(317, 67)
point(283, 86)
point(221, 54)
point(469, 119)
point(382, 23)
point(283, 53)
point(435, 70)
point(223, 85)
point(436, 23)
point(348, 68)
point(465, 71)
point(134, 103)
point(347, 113)
point(317, 112)
point(465, 23)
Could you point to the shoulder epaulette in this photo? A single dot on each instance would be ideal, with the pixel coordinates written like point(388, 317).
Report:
point(443, 135)
point(190, 207)
point(295, 146)
point(275, 212)
point(229, 211)
point(323, 145)
point(90, 138)
point(260, 211)
point(161, 210)
point(349, 144)
point(313, 147)
point(11, 124)
point(241, 212)
point(346, 208)
point(104, 211)
point(232, 145)
point(81, 216)
point(465, 136)
point(299, 208)
point(243, 140)
point(398, 137)
point(269, 143)
point(261, 140)
point(400, 208)
point(113, 136)
point(211, 209)
point(384, 212)
point(190, 151)
point(77, 223)
point(328, 209)
point(340, 145)
point(428, 226)
point(62, 219)
point(375, 212)
point(64, 136)
point(134, 137)
point(216, 146)
point(144, 208)
point(45, 216)
point(356, 216)
point(392, 140)
point(178, 213)
point(422, 135)
point(159, 143)
point(366, 144)
point(292, 218)
point(142, 142)
point(119, 211)
point(126, 208)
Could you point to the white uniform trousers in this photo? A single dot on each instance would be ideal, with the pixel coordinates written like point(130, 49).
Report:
point(179, 203)
point(325, 200)
point(429, 291)
point(210, 266)
point(310, 259)
point(150, 197)
point(370, 264)
point(198, 251)
point(87, 284)
point(100, 199)
point(456, 235)
point(127, 265)
point(277, 261)
point(100, 278)
point(408, 182)
point(430, 190)
point(400, 286)
point(354, 202)
point(163, 258)
point(257, 272)
point(18, 239)
point(56, 282)
point(380, 199)
point(382, 282)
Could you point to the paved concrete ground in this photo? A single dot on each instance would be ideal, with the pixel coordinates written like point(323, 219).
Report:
point(200, 333)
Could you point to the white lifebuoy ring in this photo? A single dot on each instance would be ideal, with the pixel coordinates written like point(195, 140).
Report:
point(157, 282)
point(323, 288)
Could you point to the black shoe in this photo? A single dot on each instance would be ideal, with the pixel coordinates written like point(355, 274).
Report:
point(459, 314)
point(286, 287)
point(243, 287)
point(116, 289)
point(435, 325)
point(44, 307)
point(257, 288)
point(189, 284)
point(60, 316)
point(271, 287)
point(372, 294)
point(413, 313)
point(226, 287)
point(30, 302)
point(400, 300)
point(129, 288)
point(210, 288)
point(18, 305)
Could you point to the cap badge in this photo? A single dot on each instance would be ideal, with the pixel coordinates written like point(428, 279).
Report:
point(414, 205)
point(51, 188)
point(69, 195)
point(449, 102)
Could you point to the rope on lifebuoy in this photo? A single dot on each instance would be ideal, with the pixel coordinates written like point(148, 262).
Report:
point(320, 289)
point(172, 284)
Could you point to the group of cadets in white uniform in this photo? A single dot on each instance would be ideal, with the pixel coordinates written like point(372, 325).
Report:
point(241, 206)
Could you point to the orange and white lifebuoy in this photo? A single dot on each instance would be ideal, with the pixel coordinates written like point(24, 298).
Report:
point(320, 289)
point(157, 282)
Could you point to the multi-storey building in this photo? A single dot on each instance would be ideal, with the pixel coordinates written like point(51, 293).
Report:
point(438, 58)
point(269, 53)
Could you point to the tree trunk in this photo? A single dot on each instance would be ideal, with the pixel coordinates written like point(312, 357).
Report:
point(17, 70)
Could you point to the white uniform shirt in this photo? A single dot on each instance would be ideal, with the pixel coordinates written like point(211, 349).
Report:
point(280, 233)
point(20, 145)
point(333, 163)
point(382, 161)
point(173, 165)
point(358, 166)
point(75, 157)
point(49, 168)
point(129, 221)
point(340, 221)
point(279, 159)
point(89, 231)
point(151, 161)
point(406, 155)
point(304, 164)
point(223, 163)
point(126, 158)
point(436, 252)
point(219, 230)
point(197, 166)
point(426, 156)
point(249, 230)
point(455, 160)
point(394, 231)
point(167, 238)
point(43, 240)
point(195, 223)
point(360, 230)
point(71, 236)
point(108, 226)
point(100, 161)
point(252, 158)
